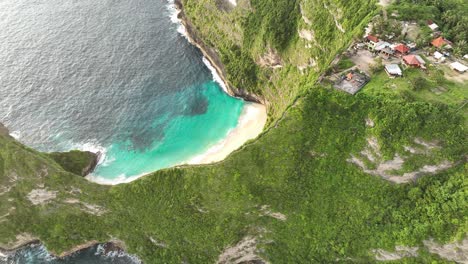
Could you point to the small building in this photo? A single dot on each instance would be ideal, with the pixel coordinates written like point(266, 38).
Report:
point(414, 61)
point(371, 41)
point(458, 67)
point(433, 26)
point(393, 70)
point(386, 53)
point(381, 45)
point(352, 82)
point(440, 42)
point(401, 49)
point(439, 56)
point(412, 46)
point(371, 38)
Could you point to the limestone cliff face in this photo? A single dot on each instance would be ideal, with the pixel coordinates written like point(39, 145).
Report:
point(212, 55)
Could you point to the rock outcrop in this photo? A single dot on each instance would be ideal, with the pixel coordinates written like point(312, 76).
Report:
point(3, 130)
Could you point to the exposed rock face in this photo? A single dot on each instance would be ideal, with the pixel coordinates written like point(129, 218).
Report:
point(212, 55)
point(457, 252)
point(384, 168)
point(22, 240)
point(399, 253)
point(3, 130)
point(41, 196)
point(93, 209)
point(243, 252)
point(266, 211)
point(92, 165)
point(270, 59)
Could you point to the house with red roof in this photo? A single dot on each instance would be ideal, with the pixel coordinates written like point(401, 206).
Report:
point(371, 41)
point(440, 42)
point(372, 38)
point(414, 61)
point(401, 49)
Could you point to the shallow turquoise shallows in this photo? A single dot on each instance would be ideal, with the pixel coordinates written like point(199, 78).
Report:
point(184, 137)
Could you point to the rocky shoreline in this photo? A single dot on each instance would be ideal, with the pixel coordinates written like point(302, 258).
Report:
point(114, 246)
point(212, 56)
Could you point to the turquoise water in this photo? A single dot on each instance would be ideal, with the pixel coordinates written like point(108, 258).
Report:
point(184, 136)
point(114, 76)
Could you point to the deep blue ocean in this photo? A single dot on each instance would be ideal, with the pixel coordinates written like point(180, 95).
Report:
point(114, 76)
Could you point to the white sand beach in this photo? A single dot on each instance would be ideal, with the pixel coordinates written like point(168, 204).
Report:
point(251, 123)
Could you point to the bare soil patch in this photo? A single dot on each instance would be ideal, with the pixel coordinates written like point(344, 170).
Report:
point(41, 196)
point(363, 59)
point(243, 252)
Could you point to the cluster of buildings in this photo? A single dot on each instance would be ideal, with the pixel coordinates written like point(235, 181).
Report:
point(404, 52)
point(400, 51)
point(397, 56)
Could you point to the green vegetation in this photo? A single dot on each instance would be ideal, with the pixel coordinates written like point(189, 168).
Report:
point(450, 15)
point(334, 212)
point(430, 86)
point(344, 63)
point(197, 211)
point(247, 35)
point(273, 22)
point(74, 161)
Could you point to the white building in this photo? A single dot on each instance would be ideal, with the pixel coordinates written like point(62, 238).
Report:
point(458, 67)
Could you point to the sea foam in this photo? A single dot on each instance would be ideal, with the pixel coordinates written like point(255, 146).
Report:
point(174, 16)
point(216, 77)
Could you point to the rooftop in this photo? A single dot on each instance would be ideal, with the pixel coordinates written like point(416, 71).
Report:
point(372, 38)
point(402, 48)
point(352, 82)
point(393, 69)
point(413, 60)
point(458, 67)
point(440, 42)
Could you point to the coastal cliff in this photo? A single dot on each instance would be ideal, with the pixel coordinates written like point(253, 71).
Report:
point(257, 205)
point(212, 56)
point(4, 130)
point(78, 162)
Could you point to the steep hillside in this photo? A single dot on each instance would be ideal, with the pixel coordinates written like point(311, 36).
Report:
point(276, 48)
point(339, 178)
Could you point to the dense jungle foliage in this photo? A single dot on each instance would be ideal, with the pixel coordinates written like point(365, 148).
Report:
point(450, 15)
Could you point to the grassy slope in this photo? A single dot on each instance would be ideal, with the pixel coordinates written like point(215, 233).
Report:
point(299, 168)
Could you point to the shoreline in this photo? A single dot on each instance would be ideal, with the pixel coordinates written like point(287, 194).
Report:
point(110, 246)
point(251, 123)
point(211, 55)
